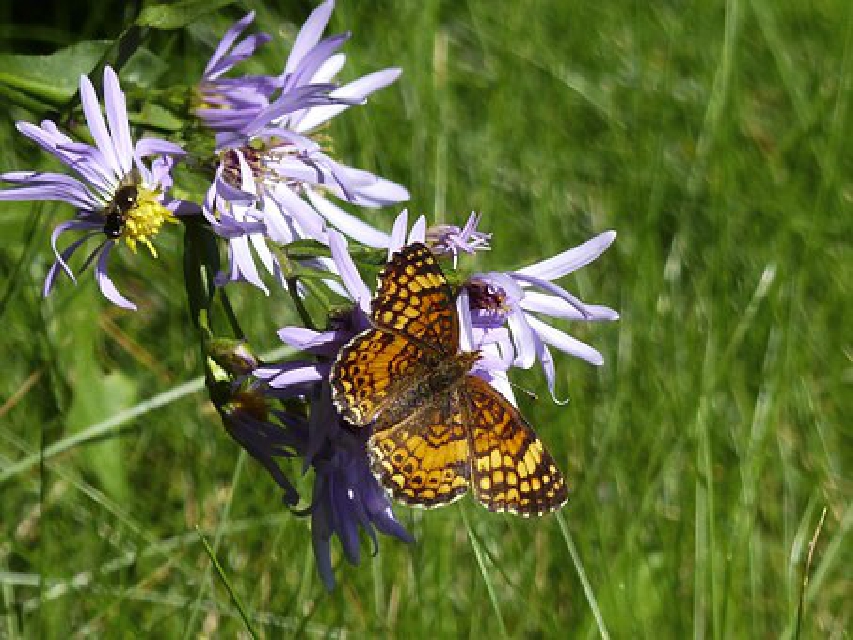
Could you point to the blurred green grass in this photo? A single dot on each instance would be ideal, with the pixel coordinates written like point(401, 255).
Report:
point(712, 136)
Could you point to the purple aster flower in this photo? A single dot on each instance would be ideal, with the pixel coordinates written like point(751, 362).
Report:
point(517, 299)
point(347, 497)
point(265, 434)
point(228, 103)
point(274, 173)
point(450, 239)
point(119, 195)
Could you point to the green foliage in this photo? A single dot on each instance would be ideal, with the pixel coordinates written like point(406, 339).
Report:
point(712, 136)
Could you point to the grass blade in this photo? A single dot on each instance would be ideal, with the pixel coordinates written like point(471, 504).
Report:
point(587, 588)
point(224, 578)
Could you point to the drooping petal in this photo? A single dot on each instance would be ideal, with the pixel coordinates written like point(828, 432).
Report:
point(348, 271)
point(311, 224)
point(291, 373)
point(317, 342)
point(564, 342)
point(70, 225)
point(106, 284)
point(523, 338)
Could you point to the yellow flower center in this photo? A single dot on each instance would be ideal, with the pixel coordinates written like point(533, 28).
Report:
point(143, 221)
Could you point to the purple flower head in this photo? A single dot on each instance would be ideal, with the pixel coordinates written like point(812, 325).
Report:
point(265, 434)
point(517, 298)
point(119, 195)
point(450, 239)
point(227, 103)
point(347, 497)
point(274, 173)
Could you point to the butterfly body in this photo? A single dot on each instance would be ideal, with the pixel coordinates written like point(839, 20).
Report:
point(438, 428)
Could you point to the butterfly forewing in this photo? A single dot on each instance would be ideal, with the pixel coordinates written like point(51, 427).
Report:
point(415, 300)
point(371, 370)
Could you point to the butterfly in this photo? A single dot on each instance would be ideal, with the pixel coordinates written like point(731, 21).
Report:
point(438, 429)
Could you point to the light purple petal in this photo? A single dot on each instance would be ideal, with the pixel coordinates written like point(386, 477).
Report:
point(463, 311)
point(243, 263)
point(354, 91)
point(571, 259)
point(313, 61)
point(49, 186)
point(70, 225)
point(418, 232)
point(213, 68)
point(379, 194)
point(154, 146)
point(329, 69)
point(398, 233)
point(291, 373)
point(543, 354)
point(117, 117)
point(559, 308)
point(106, 284)
point(348, 271)
point(565, 342)
point(554, 289)
point(523, 338)
point(61, 262)
point(309, 34)
point(309, 221)
point(98, 127)
point(304, 339)
point(347, 223)
point(259, 243)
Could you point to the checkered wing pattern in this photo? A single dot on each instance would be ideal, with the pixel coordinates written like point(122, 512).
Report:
point(414, 300)
point(424, 460)
point(510, 468)
point(371, 371)
point(438, 429)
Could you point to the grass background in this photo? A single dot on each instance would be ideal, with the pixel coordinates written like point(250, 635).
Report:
point(713, 136)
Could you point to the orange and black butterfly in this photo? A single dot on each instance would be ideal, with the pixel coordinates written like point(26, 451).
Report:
point(438, 429)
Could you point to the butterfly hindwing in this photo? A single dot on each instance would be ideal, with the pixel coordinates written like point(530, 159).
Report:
point(510, 468)
point(424, 460)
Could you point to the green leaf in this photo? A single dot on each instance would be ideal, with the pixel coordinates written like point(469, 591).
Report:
point(178, 14)
point(53, 77)
point(144, 68)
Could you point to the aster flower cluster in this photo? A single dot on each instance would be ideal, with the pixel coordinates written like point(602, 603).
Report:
point(274, 186)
